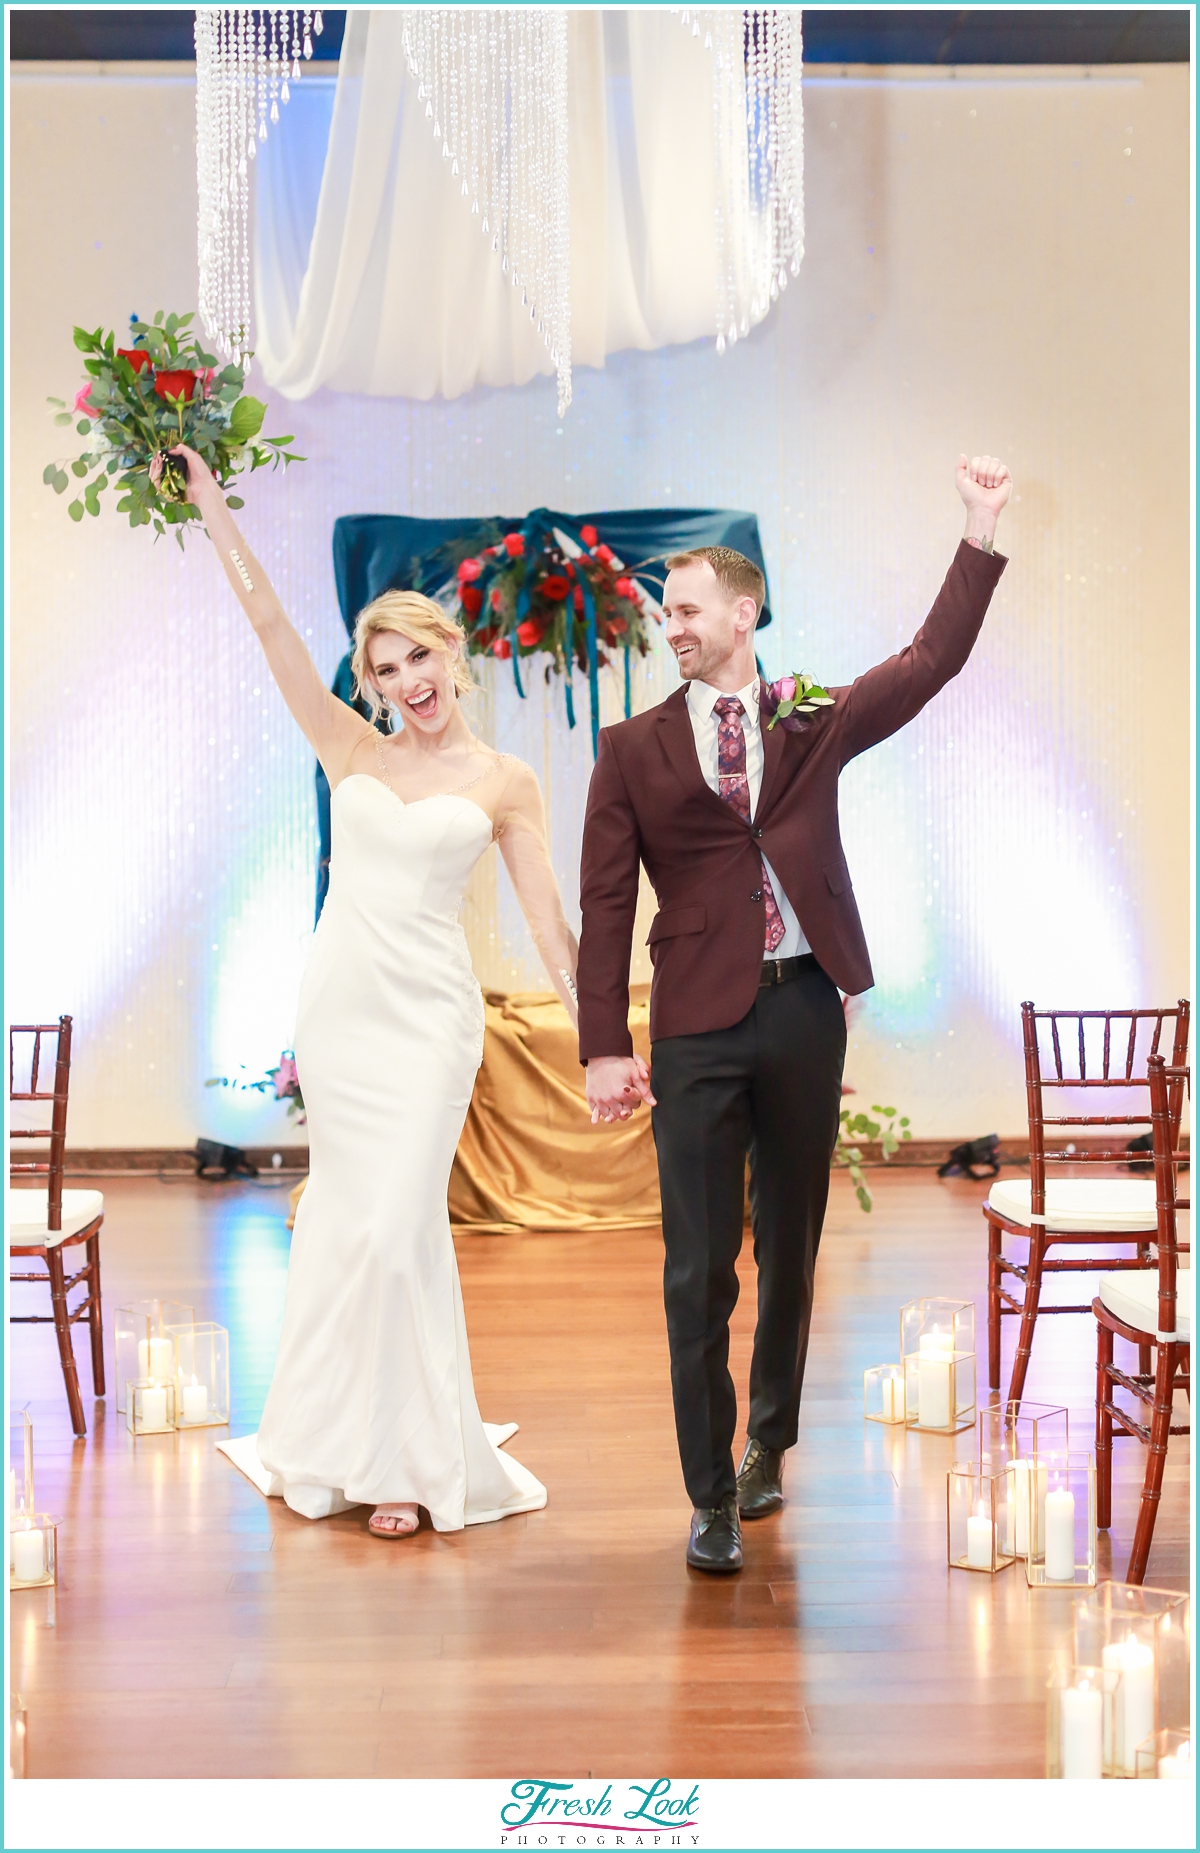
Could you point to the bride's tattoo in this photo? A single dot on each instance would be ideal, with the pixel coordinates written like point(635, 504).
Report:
point(972, 540)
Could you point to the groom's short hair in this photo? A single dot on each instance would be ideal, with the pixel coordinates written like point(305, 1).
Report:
point(737, 576)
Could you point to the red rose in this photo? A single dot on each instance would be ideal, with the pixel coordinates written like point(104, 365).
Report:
point(588, 536)
point(530, 632)
point(605, 554)
point(482, 638)
point(497, 599)
point(178, 384)
point(568, 569)
point(616, 626)
point(514, 544)
point(577, 598)
point(471, 599)
point(502, 648)
point(138, 357)
point(468, 569)
point(625, 588)
point(554, 587)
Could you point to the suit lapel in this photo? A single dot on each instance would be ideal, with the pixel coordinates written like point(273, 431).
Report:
point(679, 750)
point(772, 745)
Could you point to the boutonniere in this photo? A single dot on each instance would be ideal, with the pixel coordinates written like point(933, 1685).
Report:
point(786, 700)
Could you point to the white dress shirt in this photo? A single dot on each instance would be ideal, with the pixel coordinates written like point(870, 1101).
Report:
point(701, 699)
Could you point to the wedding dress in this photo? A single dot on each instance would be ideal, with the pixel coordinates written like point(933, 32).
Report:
point(372, 1400)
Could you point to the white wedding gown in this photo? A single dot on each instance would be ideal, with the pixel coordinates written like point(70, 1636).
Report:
point(372, 1400)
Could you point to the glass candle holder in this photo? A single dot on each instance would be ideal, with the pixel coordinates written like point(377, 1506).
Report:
point(1010, 1436)
point(145, 1347)
point(150, 1407)
point(883, 1393)
point(1114, 1615)
point(1079, 1712)
point(33, 1551)
point(1062, 1521)
point(20, 1464)
point(977, 1518)
point(201, 1375)
point(1166, 1756)
point(937, 1345)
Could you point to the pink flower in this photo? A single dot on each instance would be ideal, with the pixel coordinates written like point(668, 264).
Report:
point(207, 376)
point(514, 545)
point(82, 401)
point(287, 1081)
point(787, 688)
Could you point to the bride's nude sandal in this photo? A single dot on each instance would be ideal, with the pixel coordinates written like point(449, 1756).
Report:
point(408, 1521)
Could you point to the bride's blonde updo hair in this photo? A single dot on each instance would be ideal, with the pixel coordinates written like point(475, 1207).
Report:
point(418, 618)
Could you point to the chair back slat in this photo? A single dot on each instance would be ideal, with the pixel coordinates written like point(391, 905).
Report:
point(1167, 1086)
point(1069, 1065)
point(55, 1135)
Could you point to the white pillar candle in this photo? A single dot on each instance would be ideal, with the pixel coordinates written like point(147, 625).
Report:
point(1018, 1507)
point(980, 1535)
point(1081, 1722)
point(28, 1555)
point(893, 1399)
point(1177, 1768)
point(1133, 1700)
point(153, 1407)
point(1060, 1535)
point(156, 1357)
point(935, 1387)
point(195, 1401)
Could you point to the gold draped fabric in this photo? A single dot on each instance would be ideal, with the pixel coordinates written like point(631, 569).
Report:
point(529, 1157)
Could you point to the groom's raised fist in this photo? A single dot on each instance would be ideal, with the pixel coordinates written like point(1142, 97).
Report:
point(985, 485)
point(617, 1086)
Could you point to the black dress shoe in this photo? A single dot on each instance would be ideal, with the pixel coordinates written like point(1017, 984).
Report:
point(760, 1480)
point(716, 1540)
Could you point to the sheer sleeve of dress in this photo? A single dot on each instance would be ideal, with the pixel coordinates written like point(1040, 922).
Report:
point(520, 830)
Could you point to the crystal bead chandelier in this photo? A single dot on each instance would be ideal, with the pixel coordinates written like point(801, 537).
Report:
point(245, 57)
point(493, 85)
point(758, 122)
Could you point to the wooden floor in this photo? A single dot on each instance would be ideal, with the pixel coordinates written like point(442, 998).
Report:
point(199, 1630)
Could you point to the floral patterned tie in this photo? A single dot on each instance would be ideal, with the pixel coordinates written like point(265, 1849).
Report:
point(734, 787)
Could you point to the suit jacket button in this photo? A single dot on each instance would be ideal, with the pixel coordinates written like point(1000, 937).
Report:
point(758, 833)
point(757, 895)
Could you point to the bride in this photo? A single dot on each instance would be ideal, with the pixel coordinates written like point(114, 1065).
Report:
point(372, 1400)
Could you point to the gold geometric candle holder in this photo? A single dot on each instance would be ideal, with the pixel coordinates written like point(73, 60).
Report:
point(1062, 1522)
point(201, 1375)
point(1079, 1723)
point(883, 1394)
point(937, 1345)
point(150, 1407)
point(145, 1346)
point(978, 1519)
point(1145, 1636)
point(1011, 1435)
point(32, 1551)
point(20, 1464)
point(1166, 1756)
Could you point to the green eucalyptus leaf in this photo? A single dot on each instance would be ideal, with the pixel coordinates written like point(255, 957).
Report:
point(158, 317)
point(246, 418)
point(234, 501)
point(61, 481)
point(50, 472)
point(64, 418)
point(78, 468)
point(52, 401)
point(784, 709)
point(158, 526)
point(84, 427)
point(75, 510)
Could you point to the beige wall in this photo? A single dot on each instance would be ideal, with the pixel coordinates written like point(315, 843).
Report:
point(995, 260)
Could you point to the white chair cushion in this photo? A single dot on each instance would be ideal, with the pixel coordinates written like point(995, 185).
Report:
point(1133, 1299)
point(27, 1216)
point(1082, 1205)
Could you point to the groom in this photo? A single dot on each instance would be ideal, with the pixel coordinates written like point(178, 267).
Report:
point(736, 825)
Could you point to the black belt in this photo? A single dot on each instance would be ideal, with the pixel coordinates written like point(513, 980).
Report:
point(778, 971)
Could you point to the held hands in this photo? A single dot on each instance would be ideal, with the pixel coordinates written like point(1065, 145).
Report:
point(985, 486)
point(617, 1086)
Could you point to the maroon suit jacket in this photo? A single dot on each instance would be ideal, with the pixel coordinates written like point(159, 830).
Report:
point(649, 803)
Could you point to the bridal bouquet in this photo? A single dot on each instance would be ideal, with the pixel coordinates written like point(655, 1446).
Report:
point(282, 1081)
point(138, 401)
point(538, 590)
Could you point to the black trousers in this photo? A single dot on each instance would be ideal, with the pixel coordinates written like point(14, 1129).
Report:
point(769, 1086)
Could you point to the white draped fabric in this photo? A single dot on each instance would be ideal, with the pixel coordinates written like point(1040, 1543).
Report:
point(393, 291)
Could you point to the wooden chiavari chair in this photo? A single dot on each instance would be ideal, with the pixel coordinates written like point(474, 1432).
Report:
point(1148, 1309)
point(1074, 1211)
point(41, 1223)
